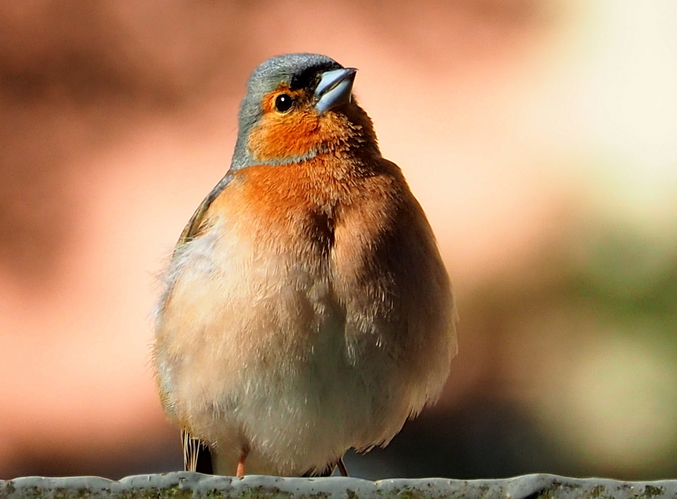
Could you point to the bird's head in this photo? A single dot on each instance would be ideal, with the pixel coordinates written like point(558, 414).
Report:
point(298, 106)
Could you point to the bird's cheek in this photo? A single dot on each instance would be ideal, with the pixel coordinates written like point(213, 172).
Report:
point(278, 137)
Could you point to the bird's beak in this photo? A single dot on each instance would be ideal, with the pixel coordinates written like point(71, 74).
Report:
point(334, 89)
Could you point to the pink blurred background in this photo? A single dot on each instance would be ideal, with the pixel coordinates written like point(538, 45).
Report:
point(540, 137)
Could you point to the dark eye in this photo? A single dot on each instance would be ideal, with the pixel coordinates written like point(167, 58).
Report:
point(283, 103)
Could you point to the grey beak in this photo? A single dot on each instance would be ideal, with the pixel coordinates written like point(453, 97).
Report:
point(334, 89)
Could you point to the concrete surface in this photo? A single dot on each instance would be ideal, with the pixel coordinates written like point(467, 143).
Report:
point(194, 485)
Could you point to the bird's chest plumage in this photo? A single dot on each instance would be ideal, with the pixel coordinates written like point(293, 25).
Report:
point(254, 324)
point(285, 327)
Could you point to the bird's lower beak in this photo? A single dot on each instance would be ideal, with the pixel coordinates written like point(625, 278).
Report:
point(334, 89)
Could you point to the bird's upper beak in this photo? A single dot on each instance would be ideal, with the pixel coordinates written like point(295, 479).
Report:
point(334, 89)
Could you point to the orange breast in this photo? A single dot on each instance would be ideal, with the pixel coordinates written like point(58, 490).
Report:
point(291, 207)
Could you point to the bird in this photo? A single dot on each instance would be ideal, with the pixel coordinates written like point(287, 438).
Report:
point(306, 309)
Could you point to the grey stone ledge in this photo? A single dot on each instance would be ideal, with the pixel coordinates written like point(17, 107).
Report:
point(182, 485)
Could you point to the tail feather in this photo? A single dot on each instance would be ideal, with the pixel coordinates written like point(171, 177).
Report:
point(196, 455)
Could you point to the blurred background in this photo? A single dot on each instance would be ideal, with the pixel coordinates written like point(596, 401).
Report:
point(539, 135)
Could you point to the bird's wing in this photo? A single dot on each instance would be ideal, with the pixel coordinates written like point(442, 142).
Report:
point(196, 454)
point(192, 228)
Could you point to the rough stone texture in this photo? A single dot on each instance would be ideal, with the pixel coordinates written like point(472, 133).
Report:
point(193, 485)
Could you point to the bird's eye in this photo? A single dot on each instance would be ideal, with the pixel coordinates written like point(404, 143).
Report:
point(283, 103)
